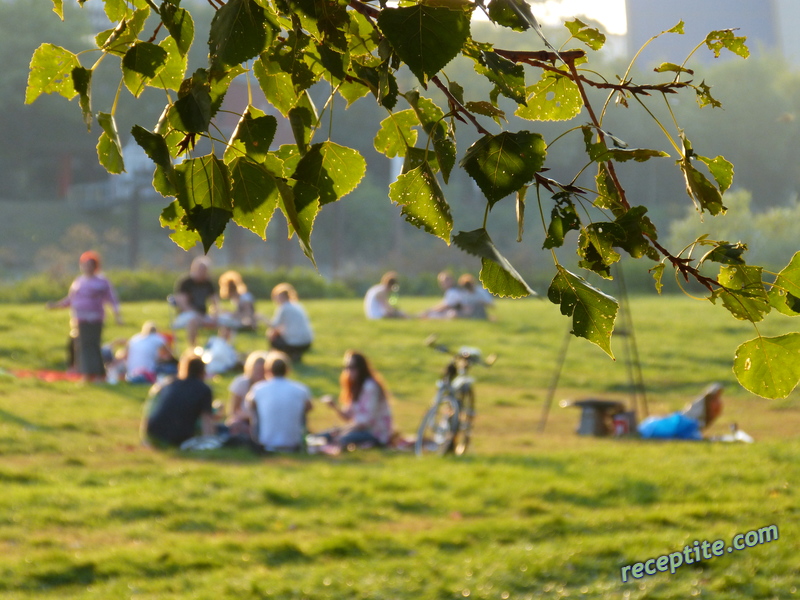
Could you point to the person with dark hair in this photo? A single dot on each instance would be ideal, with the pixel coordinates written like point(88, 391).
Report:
point(192, 295)
point(278, 407)
point(178, 406)
point(86, 298)
point(363, 405)
point(379, 301)
point(452, 304)
point(290, 328)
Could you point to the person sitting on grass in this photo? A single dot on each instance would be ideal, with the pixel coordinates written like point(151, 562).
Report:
point(363, 406)
point(378, 301)
point(232, 287)
point(192, 295)
point(237, 416)
point(174, 413)
point(290, 329)
point(452, 304)
point(475, 299)
point(144, 351)
point(278, 407)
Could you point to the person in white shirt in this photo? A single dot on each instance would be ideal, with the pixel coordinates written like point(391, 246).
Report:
point(278, 408)
point(379, 300)
point(475, 298)
point(144, 351)
point(290, 329)
point(452, 304)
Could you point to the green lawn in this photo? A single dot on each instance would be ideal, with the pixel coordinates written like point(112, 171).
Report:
point(86, 512)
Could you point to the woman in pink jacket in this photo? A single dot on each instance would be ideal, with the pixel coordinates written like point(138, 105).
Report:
point(86, 298)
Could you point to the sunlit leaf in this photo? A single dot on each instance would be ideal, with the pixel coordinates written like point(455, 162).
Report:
point(554, 98)
point(276, 85)
point(174, 70)
point(502, 164)
point(333, 170)
point(238, 32)
point(299, 224)
point(701, 189)
point(255, 195)
point(743, 292)
point(423, 202)
point(425, 38)
point(593, 312)
point(497, 274)
point(431, 117)
point(720, 169)
point(204, 192)
point(677, 29)
point(396, 133)
point(590, 36)
point(725, 38)
point(563, 219)
point(596, 248)
point(253, 136)
point(508, 76)
point(180, 25)
point(769, 367)
point(51, 73)
point(173, 217)
point(140, 64)
point(784, 295)
point(668, 67)
point(109, 147)
point(191, 113)
point(658, 273)
point(58, 8)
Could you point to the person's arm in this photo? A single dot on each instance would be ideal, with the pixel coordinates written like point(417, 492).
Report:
point(207, 423)
point(112, 299)
point(329, 400)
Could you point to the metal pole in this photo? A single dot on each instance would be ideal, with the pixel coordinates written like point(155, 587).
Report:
point(562, 355)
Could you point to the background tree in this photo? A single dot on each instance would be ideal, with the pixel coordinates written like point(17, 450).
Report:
point(398, 56)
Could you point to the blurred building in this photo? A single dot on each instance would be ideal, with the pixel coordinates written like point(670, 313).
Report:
point(769, 26)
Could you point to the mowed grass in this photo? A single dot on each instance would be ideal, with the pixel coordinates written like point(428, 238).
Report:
point(87, 512)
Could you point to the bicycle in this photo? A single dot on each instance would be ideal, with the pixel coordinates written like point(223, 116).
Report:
point(447, 425)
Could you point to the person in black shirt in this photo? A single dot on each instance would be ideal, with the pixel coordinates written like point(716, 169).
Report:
point(178, 406)
point(192, 295)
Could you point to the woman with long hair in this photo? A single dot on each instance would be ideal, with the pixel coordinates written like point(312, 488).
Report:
point(363, 404)
point(232, 287)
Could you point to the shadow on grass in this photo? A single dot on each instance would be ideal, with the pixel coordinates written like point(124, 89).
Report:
point(24, 423)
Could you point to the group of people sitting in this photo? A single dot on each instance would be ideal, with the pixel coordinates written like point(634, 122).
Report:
point(463, 299)
point(267, 409)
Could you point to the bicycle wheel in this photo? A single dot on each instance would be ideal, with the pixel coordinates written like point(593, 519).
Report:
point(466, 413)
point(435, 435)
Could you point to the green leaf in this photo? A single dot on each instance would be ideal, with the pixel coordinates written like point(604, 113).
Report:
point(700, 189)
point(554, 98)
point(677, 29)
point(503, 13)
point(588, 35)
point(424, 204)
point(720, 169)
point(140, 64)
point(725, 253)
point(171, 75)
point(51, 73)
point(191, 113)
point(115, 9)
point(658, 274)
point(396, 133)
point(218, 84)
point(118, 40)
point(154, 145)
point(743, 292)
point(164, 181)
point(634, 232)
point(769, 367)
point(607, 194)
point(180, 25)
point(58, 8)
point(497, 274)
point(204, 192)
point(784, 295)
point(599, 152)
point(109, 147)
point(253, 136)
point(255, 195)
point(299, 223)
point(563, 219)
point(502, 164)
point(333, 170)
point(596, 248)
point(276, 84)
point(668, 67)
point(174, 217)
point(425, 38)
point(82, 81)
point(704, 97)
point(725, 38)
point(487, 109)
point(238, 32)
point(593, 312)
point(508, 76)
point(431, 118)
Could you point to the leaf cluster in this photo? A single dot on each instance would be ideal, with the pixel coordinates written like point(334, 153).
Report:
point(285, 47)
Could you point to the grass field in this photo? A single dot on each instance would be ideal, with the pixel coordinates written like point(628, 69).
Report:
point(86, 512)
